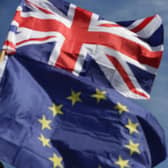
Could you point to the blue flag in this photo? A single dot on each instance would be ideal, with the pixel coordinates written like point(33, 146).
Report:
point(52, 119)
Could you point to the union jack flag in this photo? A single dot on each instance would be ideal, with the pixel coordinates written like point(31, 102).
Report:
point(63, 35)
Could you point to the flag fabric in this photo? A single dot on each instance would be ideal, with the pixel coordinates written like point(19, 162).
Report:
point(50, 118)
point(122, 55)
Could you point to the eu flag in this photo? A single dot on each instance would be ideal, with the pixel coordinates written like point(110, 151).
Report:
point(52, 119)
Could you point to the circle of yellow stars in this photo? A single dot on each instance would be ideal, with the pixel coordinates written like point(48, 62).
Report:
point(74, 98)
point(56, 110)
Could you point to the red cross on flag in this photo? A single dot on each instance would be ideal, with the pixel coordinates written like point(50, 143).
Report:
point(64, 35)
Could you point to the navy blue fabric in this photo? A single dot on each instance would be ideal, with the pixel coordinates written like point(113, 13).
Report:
point(157, 38)
point(92, 72)
point(13, 28)
point(62, 5)
point(126, 23)
point(144, 78)
point(39, 52)
point(88, 134)
point(26, 8)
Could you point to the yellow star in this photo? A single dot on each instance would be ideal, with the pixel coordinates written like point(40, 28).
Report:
point(121, 108)
point(56, 161)
point(133, 147)
point(45, 124)
point(122, 163)
point(56, 109)
point(45, 141)
point(75, 97)
point(132, 127)
point(99, 95)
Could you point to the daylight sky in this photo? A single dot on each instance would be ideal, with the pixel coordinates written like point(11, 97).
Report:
point(119, 10)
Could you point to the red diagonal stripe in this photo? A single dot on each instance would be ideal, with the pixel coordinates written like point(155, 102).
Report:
point(142, 24)
point(127, 47)
point(35, 39)
point(38, 7)
point(125, 76)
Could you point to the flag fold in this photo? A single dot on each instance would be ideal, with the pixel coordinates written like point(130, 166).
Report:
point(125, 54)
point(51, 118)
